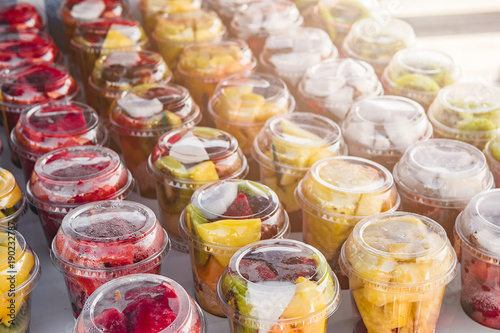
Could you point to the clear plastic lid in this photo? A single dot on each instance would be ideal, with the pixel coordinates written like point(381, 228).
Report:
point(72, 176)
point(20, 47)
point(30, 84)
point(227, 8)
point(109, 33)
point(273, 284)
point(442, 172)
point(197, 155)
point(399, 252)
point(297, 141)
point(153, 7)
point(217, 59)
point(290, 53)
point(12, 200)
point(376, 41)
point(346, 186)
point(120, 71)
point(152, 109)
point(20, 16)
point(478, 226)
point(55, 125)
point(250, 99)
point(109, 236)
point(344, 13)
point(74, 11)
point(128, 303)
point(492, 149)
point(337, 83)
point(385, 125)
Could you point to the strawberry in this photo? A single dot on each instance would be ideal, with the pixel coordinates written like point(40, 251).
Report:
point(111, 320)
point(239, 208)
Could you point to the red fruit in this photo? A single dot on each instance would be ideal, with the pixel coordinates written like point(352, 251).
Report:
point(264, 273)
point(111, 320)
point(174, 138)
point(480, 270)
point(487, 309)
point(239, 208)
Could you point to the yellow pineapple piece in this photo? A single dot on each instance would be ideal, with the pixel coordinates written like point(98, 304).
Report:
point(203, 172)
point(116, 39)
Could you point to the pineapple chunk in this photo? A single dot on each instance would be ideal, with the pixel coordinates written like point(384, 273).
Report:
point(203, 172)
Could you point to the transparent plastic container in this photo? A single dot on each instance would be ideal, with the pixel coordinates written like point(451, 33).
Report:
point(186, 159)
point(152, 9)
point(468, 112)
point(12, 200)
point(171, 306)
point(104, 36)
point(289, 54)
point(227, 9)
point(335, 195)
point(438, 177)
point(20, 16)
point(67, 178)
point(476, 232)
point(257, 20)
point(50, 126)
point(278, 286)
point(376, 41)
point(174, 32)
point(23, 267)
point(141, 115)
point(381, 128)
point(243, 103)
point(28, 46)
point(398, 266)
point(419, 74)
point(492, 153)
point(330, 87)
point(287, 147)
point(202, 67)
point(221, 218)
point(100, 241)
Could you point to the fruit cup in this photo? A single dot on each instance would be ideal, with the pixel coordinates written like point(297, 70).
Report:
point(419, 74)
point(202, 67)
point(398, 266)
point(335, 195)
point(258, 20)
point(278, 286)
point(174, 32)
point(141, 303)
point(468, 112)
point(186, 159)
point(50, 126)
point(330, 87)
point(104, 36)
point(221, 218)
point(492, 153)
point(152, 9)
point(20, 16)
point(438, 177)
point(289, 54)
point(287, 147)
point(20, 269)
point(12, 200)
point(67, 178)
point(141, 115)
point(476, 233)
point(100, 241)
point(375, 41)
point(381, 128)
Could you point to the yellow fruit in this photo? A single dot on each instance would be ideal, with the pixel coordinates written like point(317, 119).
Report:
point(308, 298)
point(417, 82)
point(116, 39)
point(291, 129)
point(369, 204)
point(203, 172)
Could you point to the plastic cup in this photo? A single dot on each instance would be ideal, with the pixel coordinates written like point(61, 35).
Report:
point(330, 87)
point(398, 266)
point(104, 36)
point(438, 177)
point(476, 231)
point(376, 41)
point(243, 103)
point(141, 115)
point(100, 241)
point(221, 218)
point(226, 9)
point(258, 20)
point(12, 200)
point(174, 32)
point(287, 147)
point(492, 153)
point(337, 16)
point(186, 159)
point(289, 54)
point(468, 112)
point(142, 297)
point(21, 269)
point(278, 286)
point(381, 128)
point(67, 178)
point(152, 9)
point(335, 195)
point(203, 66)
point(50, 126)
point(20, 16)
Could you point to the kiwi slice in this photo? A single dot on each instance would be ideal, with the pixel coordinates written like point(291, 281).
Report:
point(21, 321)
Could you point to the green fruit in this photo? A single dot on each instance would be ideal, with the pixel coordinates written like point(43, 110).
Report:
point(21, 321)
point(172, 167)
point(238, 295)
point(477, 124)
point(417, 82)
point(251, 189)
point(194, 218)
point(495, 151)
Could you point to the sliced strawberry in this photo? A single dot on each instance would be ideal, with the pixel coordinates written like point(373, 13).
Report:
point(240, 207)
point(486, 308)
point(174, 138)
point(256, 270)
point(111, 320)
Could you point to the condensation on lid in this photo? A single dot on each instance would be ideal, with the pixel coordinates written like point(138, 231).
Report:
point(425, 61)
point(470, 97)
point(389, 110)
point(266, 85)
point(41, 75)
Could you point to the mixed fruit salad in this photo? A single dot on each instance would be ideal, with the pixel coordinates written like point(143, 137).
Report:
point(20, 16)
point(12, 200)
point(153, 9)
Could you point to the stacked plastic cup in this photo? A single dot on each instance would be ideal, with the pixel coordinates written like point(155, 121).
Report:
point(20, 16)
point(492, 153)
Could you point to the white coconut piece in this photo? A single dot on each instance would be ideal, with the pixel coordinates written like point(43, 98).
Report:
point(138, 107)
